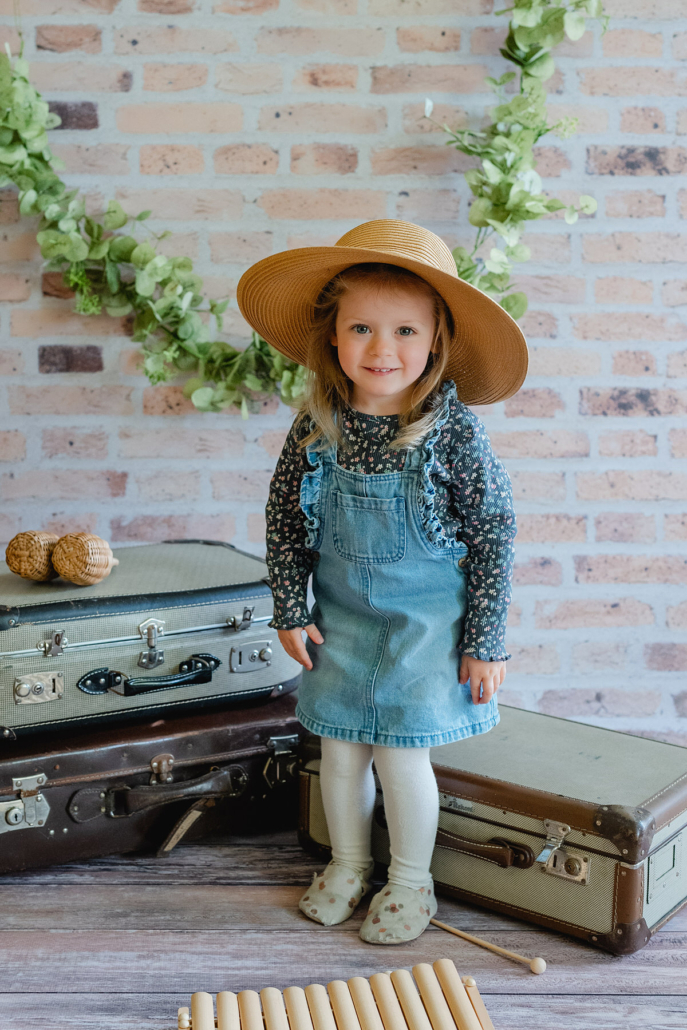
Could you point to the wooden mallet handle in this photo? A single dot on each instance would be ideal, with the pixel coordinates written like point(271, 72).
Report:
point(536, 965)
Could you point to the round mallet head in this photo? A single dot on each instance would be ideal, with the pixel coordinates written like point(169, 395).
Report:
point(537, 965)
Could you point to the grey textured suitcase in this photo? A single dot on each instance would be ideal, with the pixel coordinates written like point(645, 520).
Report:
point(570, 826)
point(174, 626)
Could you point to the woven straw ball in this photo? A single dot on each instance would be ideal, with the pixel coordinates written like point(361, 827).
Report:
point(83, 558)
point(29, 555)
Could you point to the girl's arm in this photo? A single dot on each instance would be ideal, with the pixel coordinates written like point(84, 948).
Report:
point(483, 500)
point(289, 561)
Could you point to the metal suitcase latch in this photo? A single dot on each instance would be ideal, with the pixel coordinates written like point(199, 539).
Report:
point(237, 625)
point(54, 646)
point(161, 766)
point(38, 687)
point(557, 860)
point(150, 630)
point(282, 763)
point(251, 657)
point(27, 811)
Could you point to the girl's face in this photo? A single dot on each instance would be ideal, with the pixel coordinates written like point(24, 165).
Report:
point(384, 338)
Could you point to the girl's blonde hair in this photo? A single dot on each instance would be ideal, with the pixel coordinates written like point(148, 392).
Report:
point(329, 388)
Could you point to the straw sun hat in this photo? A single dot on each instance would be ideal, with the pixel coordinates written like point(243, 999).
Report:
point(276, 296)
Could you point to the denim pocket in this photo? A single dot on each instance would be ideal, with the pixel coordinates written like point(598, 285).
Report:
point(370, 530)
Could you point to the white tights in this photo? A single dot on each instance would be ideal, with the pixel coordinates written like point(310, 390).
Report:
point(411, 805)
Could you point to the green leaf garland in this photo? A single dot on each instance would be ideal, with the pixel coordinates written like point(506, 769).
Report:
point(122, 274)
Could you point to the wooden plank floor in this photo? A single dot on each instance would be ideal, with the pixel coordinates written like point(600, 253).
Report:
point(119, 943)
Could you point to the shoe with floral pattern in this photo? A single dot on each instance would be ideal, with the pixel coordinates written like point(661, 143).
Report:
point(334, 894)
point(398, 914)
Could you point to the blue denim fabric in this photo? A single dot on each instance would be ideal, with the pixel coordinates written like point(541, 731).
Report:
point(390, 602)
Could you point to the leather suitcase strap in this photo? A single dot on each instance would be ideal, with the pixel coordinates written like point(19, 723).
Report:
point(120, 802)
point(498, 850)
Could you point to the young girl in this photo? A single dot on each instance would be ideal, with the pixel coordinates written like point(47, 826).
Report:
point(388, 492)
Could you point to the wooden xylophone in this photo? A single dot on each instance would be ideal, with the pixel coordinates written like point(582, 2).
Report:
point(387, 1001)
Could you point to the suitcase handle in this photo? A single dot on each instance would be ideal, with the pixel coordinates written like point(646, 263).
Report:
point(196, 669)
point(122, 802)
point(498, 850)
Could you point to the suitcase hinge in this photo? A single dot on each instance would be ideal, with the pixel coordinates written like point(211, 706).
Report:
point(281, 765)
point(237, 625)
point(150, 630)
point(557, 860)
point(28, 810)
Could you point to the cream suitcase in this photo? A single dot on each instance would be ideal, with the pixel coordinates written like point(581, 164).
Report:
point(573, 827)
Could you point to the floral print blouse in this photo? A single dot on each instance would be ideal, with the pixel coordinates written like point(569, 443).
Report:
point(473, 502)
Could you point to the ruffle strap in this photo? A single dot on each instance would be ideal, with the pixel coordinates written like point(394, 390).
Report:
point(430, 521)
point(311, 488)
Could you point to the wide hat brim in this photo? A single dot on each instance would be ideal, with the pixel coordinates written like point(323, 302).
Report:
point(488, 353)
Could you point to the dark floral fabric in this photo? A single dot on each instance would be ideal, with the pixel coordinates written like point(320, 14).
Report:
point(473, 503)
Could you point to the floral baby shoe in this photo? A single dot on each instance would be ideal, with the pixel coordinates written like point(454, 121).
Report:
point(334, 893)
point(398, 914)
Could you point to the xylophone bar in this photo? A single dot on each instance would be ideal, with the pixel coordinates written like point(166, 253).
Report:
point(273, 1009)
point(320, 1009)
point(342, 1005)
point(228, 1017)
point(385, 1002)
point(456, 995)
point(365, 1005)
point(202, 1011)
point(412, 1006)
point(250, 1011)
point(297, 1008)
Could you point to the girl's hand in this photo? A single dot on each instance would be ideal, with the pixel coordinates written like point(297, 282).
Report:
point(488, 675)
point(292, 642)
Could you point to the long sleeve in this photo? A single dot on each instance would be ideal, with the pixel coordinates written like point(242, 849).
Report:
point(482, 501)
point(289, 561)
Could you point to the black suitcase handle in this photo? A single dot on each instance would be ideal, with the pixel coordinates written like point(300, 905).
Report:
point(196, 669)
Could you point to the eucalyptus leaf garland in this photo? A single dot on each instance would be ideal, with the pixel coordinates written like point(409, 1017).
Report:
point(121, 273)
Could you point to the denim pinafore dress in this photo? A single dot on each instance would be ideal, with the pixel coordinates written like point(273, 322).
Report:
point(390, 600)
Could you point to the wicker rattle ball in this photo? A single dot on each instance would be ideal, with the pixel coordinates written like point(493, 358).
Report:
point(29, 555)
point(83, 558)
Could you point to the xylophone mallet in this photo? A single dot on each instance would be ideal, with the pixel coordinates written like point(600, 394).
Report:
point(297, 1009)
point(202, 1011)
point(320, 1009)
point(387, 1002)
point(413, 1009)
point(228, 1011)
point(456, 995)
point(365, 1004)
point(536, 965)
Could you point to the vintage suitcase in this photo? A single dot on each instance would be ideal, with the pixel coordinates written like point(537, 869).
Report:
point(121, 788)
point(576, 828)
point(174, 625)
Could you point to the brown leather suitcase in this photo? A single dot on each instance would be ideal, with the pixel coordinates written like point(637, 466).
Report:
point(573, 827)
point(146, 786)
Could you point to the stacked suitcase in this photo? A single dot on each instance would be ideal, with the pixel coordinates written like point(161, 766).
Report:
point(154, 704)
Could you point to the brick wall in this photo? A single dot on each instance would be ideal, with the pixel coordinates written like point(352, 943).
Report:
point(249, 126)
